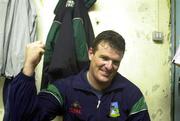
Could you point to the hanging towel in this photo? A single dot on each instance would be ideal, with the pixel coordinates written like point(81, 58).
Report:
point(68, 40)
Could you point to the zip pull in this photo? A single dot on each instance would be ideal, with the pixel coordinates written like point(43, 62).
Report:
point(99, 101)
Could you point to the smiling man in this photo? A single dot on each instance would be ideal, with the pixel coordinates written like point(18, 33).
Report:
point(97, 93)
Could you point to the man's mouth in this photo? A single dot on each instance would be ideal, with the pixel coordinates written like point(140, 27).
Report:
point(105, 73)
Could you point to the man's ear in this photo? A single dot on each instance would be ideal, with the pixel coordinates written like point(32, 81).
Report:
point(90, 53)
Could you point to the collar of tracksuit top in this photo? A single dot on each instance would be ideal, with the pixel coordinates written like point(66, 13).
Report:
point(82, 84)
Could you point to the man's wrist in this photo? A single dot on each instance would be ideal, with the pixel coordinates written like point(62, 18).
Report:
point(28, 70)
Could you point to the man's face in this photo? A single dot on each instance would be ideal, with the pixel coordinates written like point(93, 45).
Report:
point(104, 63)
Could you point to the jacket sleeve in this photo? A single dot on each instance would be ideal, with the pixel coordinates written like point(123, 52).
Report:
point(139, 110)
point(26, 105)
point(140, 116)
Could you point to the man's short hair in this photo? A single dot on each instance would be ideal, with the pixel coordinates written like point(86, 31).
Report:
point(114, 39)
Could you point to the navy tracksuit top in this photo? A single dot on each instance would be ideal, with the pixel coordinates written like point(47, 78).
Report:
point(74, 98)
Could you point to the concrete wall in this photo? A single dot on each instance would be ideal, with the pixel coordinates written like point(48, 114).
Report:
point(146, 63)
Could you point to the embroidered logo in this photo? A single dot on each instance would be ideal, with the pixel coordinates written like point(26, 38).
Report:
point(70, 3)
point(75, 108)
point(114, 110)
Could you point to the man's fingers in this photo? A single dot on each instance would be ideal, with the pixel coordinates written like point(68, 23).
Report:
point(41, 50)
point(41, 44)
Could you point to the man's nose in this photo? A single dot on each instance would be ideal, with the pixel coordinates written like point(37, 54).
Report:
point(109, 65)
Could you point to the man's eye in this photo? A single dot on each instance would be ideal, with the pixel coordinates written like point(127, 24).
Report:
point(116, 63)
point(104, 58)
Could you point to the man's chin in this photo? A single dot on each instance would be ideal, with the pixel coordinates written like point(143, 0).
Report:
point(105, 79)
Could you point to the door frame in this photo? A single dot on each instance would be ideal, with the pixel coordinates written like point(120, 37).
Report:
point(175, 70)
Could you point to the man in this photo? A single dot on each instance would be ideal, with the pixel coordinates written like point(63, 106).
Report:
point(97, 93)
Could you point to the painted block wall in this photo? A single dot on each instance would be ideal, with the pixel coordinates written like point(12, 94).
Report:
point(146, 63)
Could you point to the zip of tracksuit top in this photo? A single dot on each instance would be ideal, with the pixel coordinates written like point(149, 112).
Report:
point(73, 98)
point(68, 40)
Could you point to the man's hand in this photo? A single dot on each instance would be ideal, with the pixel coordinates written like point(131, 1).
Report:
point(34, 52)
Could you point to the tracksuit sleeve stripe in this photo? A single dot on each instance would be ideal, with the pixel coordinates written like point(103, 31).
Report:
point(139, 106)
point(51, 89)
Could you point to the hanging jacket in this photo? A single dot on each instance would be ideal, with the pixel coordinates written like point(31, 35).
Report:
point(68, 40)
point(19, 29)
point(3, 9)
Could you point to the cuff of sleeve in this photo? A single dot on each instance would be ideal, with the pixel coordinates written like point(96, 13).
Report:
point(22, 78)
point(21, 74)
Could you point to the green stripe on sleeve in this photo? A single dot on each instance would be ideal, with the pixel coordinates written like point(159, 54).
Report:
point(55, 92)
point(138, 106)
